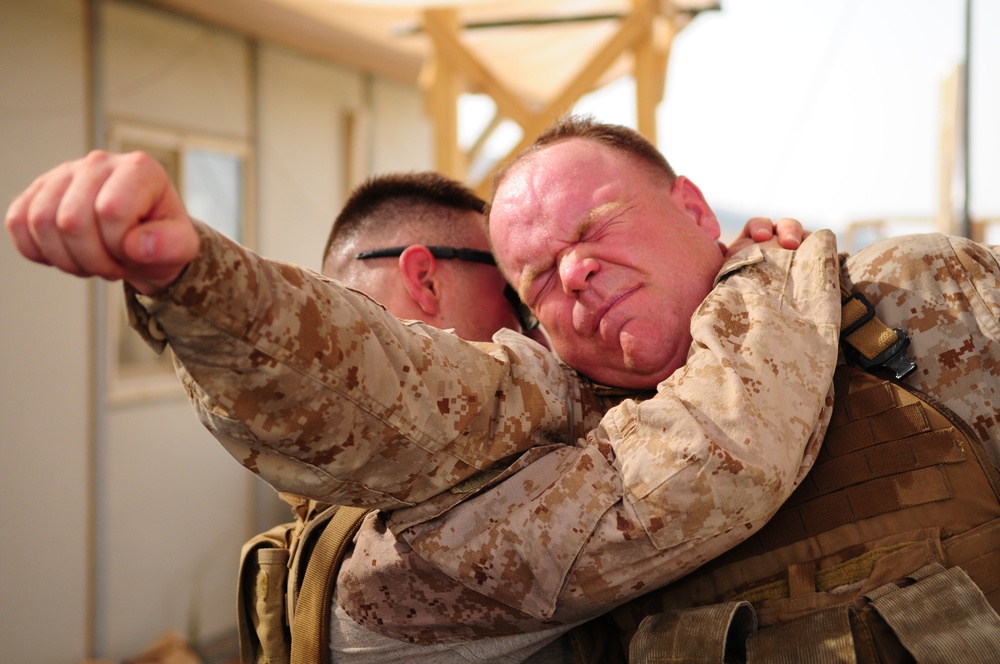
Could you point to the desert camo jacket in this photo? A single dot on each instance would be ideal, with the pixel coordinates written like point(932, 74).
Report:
point(512, 493)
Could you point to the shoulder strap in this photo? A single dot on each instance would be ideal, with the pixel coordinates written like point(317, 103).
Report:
point(311, 622)
point(875, 344)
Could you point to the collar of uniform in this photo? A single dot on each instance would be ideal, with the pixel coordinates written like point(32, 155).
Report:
point(611, 392)
point(742, 258)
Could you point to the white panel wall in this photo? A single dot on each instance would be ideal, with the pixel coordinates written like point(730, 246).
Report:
point(171, 71)
point(44, 349)
point(175, 507)
point(403, 137)
point(303, 104)
point(177, 515)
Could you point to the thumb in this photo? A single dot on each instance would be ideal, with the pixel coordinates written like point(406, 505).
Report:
point(157, 252)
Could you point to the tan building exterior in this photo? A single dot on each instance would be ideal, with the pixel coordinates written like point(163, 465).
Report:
point(122, 517)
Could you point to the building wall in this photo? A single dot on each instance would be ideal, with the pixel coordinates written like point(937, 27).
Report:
point(127, 517)
point(44, 326)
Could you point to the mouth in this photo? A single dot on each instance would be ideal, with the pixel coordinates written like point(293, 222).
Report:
point(608, 306)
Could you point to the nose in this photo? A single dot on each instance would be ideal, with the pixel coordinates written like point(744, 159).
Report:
point(575, 270)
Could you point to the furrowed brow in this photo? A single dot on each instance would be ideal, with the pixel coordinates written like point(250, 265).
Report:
point(531, 272)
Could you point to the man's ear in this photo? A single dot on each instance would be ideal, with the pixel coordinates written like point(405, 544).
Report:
point(690, 199)
point(418, 269)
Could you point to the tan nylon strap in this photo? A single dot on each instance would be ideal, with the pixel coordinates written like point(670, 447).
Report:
point(823, 637)
point(942, 617)
point(871, 338)
point(897, 456)
point(871, 498)
point(864, 403)
point(850, 571)
point(311, 623)
point(714, 634)
point(892, 424)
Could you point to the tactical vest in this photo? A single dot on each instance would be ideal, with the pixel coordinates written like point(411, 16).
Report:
point(889, 551)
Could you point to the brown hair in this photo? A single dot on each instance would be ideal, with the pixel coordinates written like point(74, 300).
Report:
point(391, 200)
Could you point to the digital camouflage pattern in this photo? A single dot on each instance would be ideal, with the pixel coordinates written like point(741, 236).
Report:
point(515, 495)
point(945, 293)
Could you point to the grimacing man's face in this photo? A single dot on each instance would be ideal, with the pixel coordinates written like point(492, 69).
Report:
point(612, 259)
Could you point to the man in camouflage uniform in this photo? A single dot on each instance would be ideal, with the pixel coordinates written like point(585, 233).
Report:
point(564, 224)
point(379, 244)
point(518, 496)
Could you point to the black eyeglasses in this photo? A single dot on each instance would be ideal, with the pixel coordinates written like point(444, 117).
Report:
point(528, 320)
point(458, 253)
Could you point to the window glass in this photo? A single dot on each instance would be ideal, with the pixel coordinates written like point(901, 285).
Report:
point(213, 191)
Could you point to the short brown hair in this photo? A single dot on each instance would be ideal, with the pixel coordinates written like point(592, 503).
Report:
point(394, 199)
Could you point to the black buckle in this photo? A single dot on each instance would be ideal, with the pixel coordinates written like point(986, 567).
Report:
point(892, 358)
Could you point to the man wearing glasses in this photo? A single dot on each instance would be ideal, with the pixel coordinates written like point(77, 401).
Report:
point(415, 243)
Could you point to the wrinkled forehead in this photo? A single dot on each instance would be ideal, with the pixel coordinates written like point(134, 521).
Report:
point(552, 191)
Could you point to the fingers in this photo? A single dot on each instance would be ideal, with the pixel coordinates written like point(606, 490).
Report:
point(789, 232)
point(785, 232)
point(759, 229)
point(53, 222)
point(17, 227)
point(112, 216)
point(86, 239)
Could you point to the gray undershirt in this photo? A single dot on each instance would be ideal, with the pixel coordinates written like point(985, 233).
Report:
point(350, 643)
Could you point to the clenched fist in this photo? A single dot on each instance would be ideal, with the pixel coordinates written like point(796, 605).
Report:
point(114, 216)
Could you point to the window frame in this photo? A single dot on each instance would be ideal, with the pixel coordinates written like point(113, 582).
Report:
point(153, 377)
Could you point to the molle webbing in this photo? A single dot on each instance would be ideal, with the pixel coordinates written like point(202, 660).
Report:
point(934, 615)
point(883, 452)
point(888, 551)
point(896, 485)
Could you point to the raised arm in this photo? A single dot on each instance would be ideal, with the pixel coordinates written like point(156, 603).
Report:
point(663, 485)
point(311, 385)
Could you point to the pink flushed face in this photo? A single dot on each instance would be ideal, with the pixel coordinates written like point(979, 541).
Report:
point(612, 259)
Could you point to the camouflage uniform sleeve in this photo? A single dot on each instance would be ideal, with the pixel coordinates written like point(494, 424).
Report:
point(321, 392)
point(661, 486)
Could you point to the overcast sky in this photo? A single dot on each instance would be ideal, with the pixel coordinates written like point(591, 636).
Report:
point(830, 111)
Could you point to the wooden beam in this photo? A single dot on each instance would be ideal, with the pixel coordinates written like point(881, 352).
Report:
point(645, 71)
point(646, 32)
point(947, 220)
point(628, 33)
point(442, 93)
point(442, 26)
point(473, 152)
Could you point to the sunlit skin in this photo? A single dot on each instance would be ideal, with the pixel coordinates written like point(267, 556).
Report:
point(611, 258)
point(473, 304)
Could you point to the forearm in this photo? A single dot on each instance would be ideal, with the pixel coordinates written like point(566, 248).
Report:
point(727, 438)
point(321, 391)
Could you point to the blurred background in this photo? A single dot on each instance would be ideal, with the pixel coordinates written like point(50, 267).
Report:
point(122, 517)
